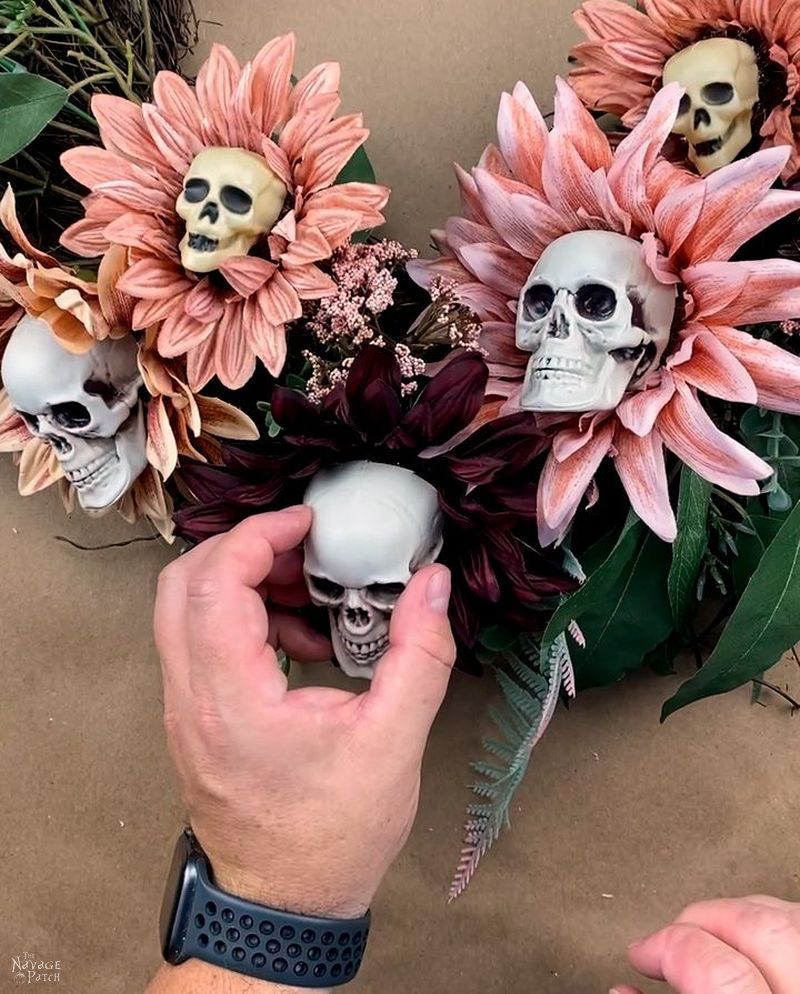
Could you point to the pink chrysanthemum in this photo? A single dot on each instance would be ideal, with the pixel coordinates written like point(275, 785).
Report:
point(540, 185)
point(224, 321)
point(623, 59)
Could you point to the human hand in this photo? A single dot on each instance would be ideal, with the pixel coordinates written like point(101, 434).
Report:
point(301, 799)
point(750, 946)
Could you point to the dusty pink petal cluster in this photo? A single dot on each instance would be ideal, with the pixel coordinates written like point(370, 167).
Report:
point(622, 60)
point(539, 185)
point(222, 323)
point(364, 275)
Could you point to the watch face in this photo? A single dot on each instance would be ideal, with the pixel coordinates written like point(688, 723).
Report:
point(177, 898)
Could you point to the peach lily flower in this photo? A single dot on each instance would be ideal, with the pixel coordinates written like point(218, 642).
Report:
point(223, 322)
point(623, 57)
point(539, 185)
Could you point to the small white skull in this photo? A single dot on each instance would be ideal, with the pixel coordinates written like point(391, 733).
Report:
point(374, 526)
point(720, 76)
point(230, 198)
point(596, 320)
point(86, 406)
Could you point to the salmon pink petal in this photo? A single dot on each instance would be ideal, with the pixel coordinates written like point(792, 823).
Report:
point(704, 362)
point(234, 361)
point(181, 334)
point(734, 293)
point(525, 222)
point(605, 19)
point(303, 126)
point(215, 89)
point(368, 198)
point(640, 465)
point(9, 220)
point(523, 136)
point(691, 434)
point(226, 421)
point(330, 152)
point(461, 231)
point(204, 303)
point(177, 101)
point(117, 307)
point(497, 266)
point(200, 364)
point(775, 371)
point(122, 130)
point(148, 234)
point(639, 411)
point(271, 85)
point(150, 312)
point(636, 155)
point(470, 198)
point(92, 166)
point(323, 80)
point(278, 162)
point(247, 273)
point(162, 450)
point(38, 468)
point(498, 339)
point(310, 283)
point(425, 271)
point(85, 238)
point(574, 120)
point(153, 279)
point(563, 484)
point(279, 301)
point(727, 208)
point(268, 341)
point(176, 146)
point(329, 227)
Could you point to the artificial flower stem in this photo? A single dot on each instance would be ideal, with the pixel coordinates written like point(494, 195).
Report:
point(149, 45)
point(13, 45)
point(77, 132)
point(18, 174)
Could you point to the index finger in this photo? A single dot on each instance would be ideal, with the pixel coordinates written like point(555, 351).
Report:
point(226, 621)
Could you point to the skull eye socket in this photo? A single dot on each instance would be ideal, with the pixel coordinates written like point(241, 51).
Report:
point(717, 93)
point(30, 420)
point(70, 415)
point(385, 593)
point(685, 105)
point(538, 301)
point(235, 200)
point(326, 588)
point(196, 190)
point(596, 302)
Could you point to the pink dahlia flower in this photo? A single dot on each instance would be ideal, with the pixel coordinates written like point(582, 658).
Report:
point(223, 321)
point(623, 58)
point(540, 185)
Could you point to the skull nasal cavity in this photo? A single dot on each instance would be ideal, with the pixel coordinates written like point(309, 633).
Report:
point(559, 327)
point(357, 617)
point(701, 118)
point(211, 211)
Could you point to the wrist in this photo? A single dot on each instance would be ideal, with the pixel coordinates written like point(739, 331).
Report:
point(195, 975)
point(311, 897)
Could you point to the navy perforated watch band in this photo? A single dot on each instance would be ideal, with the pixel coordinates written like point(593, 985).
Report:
point(202, 922)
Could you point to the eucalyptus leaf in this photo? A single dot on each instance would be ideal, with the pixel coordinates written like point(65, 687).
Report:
point(27, 104)
point(690, 546)
point(764, 624)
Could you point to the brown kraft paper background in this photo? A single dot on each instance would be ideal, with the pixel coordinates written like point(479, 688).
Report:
point(621, 821)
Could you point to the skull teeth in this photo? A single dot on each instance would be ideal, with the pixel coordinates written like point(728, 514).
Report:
point(202, 243)
point(558, 364)
point(366, 652)
point(91, 474)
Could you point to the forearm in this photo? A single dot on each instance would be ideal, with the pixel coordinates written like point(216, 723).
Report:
point(195, 977)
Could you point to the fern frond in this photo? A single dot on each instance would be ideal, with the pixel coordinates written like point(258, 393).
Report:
point(531, 690)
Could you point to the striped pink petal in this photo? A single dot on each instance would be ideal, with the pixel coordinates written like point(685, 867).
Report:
point(775, 372)
point(704, 362)
point(640, 464)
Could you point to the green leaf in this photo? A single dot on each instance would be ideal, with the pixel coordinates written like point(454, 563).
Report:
point(751, 546)
point(689, 547)
point(27, 104)
point(498, 639)
point(358, 170)
point(765, 623)
point(623, 608)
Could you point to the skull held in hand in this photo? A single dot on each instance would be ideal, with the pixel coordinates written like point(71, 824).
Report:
point(86, 406)
point(374, 526)
point(230, 199)
point(596, 320)
point(720, 76)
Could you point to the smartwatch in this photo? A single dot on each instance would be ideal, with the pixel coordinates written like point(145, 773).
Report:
point(200, 921)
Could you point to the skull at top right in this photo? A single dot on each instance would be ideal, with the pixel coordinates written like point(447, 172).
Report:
point(720, 77)
point(595, 320)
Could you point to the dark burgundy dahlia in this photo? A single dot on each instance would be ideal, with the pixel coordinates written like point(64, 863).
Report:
point(487, 483)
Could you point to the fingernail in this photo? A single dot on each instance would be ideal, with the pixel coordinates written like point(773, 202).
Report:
point(634, 944)
point(438, 592)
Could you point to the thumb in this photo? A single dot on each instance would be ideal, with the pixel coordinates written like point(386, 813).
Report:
point(412, 678)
